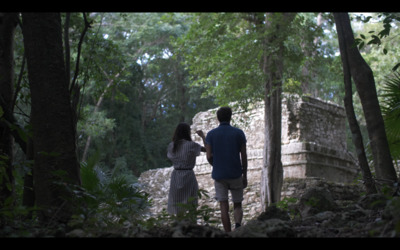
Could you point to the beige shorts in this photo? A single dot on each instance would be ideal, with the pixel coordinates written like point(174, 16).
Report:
point(234, 185)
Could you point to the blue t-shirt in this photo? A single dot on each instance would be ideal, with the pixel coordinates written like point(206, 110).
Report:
point(226, 142)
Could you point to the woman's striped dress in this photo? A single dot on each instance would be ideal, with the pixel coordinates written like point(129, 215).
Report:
point(183, 180)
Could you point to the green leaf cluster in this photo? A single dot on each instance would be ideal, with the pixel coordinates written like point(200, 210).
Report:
point(190, 212)
point(391, 113)
point(222, 53)
point(150, 90)
point(95, 124)
point(378, 37)
point(106, 199)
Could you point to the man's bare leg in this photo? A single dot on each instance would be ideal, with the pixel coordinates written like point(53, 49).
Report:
point(237, 213)
point(226, 222)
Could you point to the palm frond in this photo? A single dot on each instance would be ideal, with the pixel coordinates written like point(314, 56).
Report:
point(391, 113)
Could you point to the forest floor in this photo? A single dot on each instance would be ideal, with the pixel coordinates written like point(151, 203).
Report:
point(371, 216)
point(315, 215)
point(318, 215)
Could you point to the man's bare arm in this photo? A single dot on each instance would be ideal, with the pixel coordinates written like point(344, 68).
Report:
point(203, 137)
point(243, 154)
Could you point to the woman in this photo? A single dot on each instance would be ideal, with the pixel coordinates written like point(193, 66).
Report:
point(182, 151)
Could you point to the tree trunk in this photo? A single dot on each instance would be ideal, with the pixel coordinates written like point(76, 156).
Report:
point(365, 85)
point(8, 22)
point(55, 159)
point(351, 117)
point(96, 108)
point(272, 171)
point(28, 196)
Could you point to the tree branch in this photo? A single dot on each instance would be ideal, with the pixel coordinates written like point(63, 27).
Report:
point(9, 120)
point(66, 46)
point(87, 26)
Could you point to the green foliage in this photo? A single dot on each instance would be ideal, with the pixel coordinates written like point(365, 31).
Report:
point(4, 178)
point(393, 211)
point(293, 87)
point(94, 124)
point(106, 198)
point(222, 52)
point(194, 213)
point(313, 202)
point(15, 222)
point(12, 213)
point(191, 212)
point(391, 113)
point(150, 93)
point(285, 205)
point(380, 37)
point(164, 68)
point(378, 32)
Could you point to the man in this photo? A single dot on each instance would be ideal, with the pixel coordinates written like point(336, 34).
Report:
point(226, 152)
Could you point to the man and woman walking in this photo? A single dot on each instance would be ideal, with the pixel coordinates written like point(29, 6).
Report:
point(225, 147)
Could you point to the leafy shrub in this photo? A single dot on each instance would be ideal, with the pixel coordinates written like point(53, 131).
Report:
point(200, 215)
point(107, 199)
point(391, 113)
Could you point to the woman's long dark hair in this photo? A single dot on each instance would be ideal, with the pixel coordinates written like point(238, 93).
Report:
point(182, 131)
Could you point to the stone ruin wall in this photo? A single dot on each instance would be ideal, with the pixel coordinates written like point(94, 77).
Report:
point(313, 149)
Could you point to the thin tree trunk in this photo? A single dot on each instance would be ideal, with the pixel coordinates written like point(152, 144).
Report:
point(8, 22)
point(272, 171)
point(96, 108)
point(365, 85)
point(28, 196)
point(369, 182)
point(55, 160)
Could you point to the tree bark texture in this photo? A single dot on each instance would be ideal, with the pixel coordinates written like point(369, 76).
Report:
point(8, 22)
point(28, 195)
point(369, 182)
point(55, 159)
point(272, 65)
point(365, 84)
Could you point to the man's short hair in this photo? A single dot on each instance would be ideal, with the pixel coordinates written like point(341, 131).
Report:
point(224, 114)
